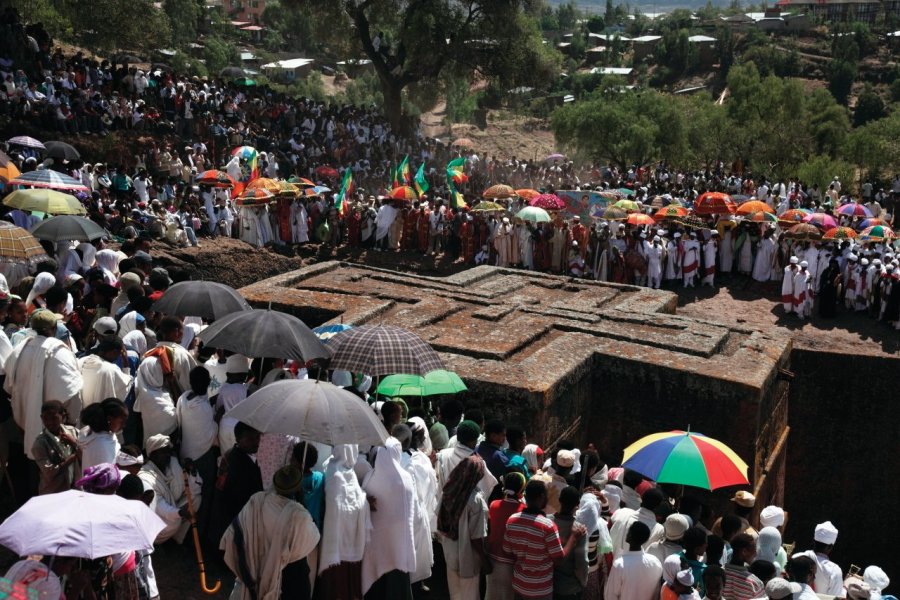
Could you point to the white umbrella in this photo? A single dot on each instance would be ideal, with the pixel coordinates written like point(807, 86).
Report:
point(80, 525)
point(316, 411)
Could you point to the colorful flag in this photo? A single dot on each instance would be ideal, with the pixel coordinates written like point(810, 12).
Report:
point(405, 174)
point(420, 182)
point(346, 188)
point(455, 176)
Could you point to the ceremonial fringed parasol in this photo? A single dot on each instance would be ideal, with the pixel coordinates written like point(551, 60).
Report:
point(527, 194)
point(548, 202)
point(614, 213)
point(805, 232)
point(216, 178)
point(640, 219)
point(686, 458)
point(753, 206)
point(302, 182)
point(264, 183)
point(854, 209)
point(793, 216)
point(671, 212)
point(254, 197)
point(499, 191)
point(839, 233)
point(327, 172)
point(877, 233)
point(714, 203)
point(761, 216)
point(404, 192)
point(821, 220)
point(693, 222)
point(289, 189)
point(488, 207)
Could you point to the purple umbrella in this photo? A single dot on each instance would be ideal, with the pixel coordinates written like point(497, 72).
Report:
point(855, 209)
point(821, 220)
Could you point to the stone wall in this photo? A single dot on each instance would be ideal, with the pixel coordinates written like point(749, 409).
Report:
point(566, 357)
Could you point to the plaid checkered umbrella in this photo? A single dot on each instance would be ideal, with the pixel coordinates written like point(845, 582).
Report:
point(17, 246)
point(45, 178)
point(379, 350)
point(264, 334)
point(27, 142)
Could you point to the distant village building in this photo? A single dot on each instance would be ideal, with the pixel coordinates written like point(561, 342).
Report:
point(288, 70)
point(706, 49)
point(644, 46)
point(865, 11)
point(250, 11)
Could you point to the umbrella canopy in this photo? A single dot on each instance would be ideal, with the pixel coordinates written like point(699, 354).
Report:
point(80, 525)
point(805, 232)
point(68, 227)
point(693, 222)
point(404, 192)
point(264, 334)
point(839, 233)
point(26, 142)
point(326, 332)
point(289, 189)
point(309, 192)
point(499, 191)
point(614, 213)
point(877, 233)
point(379, 350)
point(686, 458)
point(753, 206)
point(671, 212)
point(534, 214)
point(62, 151)
point(555, 157)
point(821, 220)
point(303, 182)
point(628, 206)
point(8, 171)
point(714, 203)
point(317, 411)
point(870, 223)
point(45, 201)
point(327, 172)
point(255, 196)
point(488, 207)
point(17, 246)
point(463, 143)
point(264, 183)
point(854, 209)
point(321, 189)
point(761, 216)
point(216, 179)
point(432, 384)
point(548, 202)
point(795, 215)
point(45, 178)
point(207, 299)
point(126, 58)
point(527, 194)
point(640, 219)
point(231, 72)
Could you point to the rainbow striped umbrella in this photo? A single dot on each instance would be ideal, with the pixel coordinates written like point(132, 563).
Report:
point(866, 223)
point(854, 209)
point(686, 458)
point(821, 220)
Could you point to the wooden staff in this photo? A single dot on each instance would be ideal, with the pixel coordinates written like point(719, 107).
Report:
point(206, 590)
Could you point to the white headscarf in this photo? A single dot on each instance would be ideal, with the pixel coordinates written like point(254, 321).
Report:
point(88, 255)
point(4, 286)
point(137, 341)
point(42, 283)
point(418, 424)
point(530, 454)
point(108, 260)
point(767, 544)
point(671, 567)
point(347, 517)
point(588, 514)
point(392, 523)
point(189, 332)
point(129, 323)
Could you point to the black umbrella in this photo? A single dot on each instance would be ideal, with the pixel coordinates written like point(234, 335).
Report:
point(206, 299)
point(126, 58)
point(231, 72)
point(61, 150)
point(68, 227)
point(161, 67)
point(264, 334)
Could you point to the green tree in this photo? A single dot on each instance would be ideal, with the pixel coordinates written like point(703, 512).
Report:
point(875, 147)
point(567, 15)
point(219, 54)
point(725, 45)
point(596, 24)
point(184, 17)
point(295, 26)
point(711, 135)
point(416, 40)
point(869, 107)
point(829, 123)
point(841, 75)
point(821, 169)
point(110, 25)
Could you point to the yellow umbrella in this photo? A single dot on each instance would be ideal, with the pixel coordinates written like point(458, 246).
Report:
point(264, 183)
point(45, 201)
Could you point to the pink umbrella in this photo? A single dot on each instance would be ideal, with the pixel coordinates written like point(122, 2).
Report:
point(855, 209)
point(548, 202)
point(821, 220)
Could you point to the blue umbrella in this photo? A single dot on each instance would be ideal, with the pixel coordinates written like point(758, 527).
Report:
point(321, 189)
point(326, 332)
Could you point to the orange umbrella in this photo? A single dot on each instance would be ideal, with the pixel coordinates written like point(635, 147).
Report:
point(302, 182)
point(463, 143)
point(753, 206)
point(216, 178)
point(8, 169)
point(670, 212)
point(404, 192)
point(527, 193)
point(714, 203)
point(499, 191)
point(264, 183)
point(640, 219)
point(839, 233)
point(255, 196)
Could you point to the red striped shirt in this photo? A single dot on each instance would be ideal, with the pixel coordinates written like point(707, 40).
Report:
point(534, 541)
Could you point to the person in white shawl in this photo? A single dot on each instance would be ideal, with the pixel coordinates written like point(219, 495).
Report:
point(103, 378)
point(383, 221)
point(250, 226)
point(42, 283)
point(347, 527)
point(88, 255)
point(153, 399)
point(387, 565)
point(426, 494)
point(267, 544)
point(162, 474)
point(108, 261)
point(39, 369)
point(299, 224)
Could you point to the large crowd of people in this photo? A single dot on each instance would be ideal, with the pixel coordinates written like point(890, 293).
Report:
point(102, 393)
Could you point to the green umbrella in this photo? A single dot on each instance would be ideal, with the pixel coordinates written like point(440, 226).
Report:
point(534, 214)
point(433, 383)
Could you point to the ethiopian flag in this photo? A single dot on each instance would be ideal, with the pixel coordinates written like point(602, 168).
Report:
point(346, 189)
point(404, 175)
point(455, 175)
point(420, 182)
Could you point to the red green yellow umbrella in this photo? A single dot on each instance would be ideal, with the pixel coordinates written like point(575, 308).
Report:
point(839, 233)
point(671, 212)
point(255, 196)
point(686, 458)
point(714, 203)
point(877, 233)
point(404, 192)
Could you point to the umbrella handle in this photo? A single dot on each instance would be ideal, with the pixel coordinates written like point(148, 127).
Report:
point(206, 589)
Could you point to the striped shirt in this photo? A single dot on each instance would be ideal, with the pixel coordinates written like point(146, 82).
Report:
point(534, 541)
point(741, 584)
